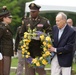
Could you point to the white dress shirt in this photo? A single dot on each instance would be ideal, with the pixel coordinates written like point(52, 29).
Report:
point(61, 32)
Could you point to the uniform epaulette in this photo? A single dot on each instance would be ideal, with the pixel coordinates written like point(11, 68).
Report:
point(26, 18)
point(19, 27)
point(1, 24)
point(45, 18)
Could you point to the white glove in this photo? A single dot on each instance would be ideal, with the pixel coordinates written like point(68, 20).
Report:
point(1, 57)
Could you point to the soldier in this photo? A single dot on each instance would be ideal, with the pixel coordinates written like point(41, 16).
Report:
point(41, 24)
point(21, 60)
point(6, 40)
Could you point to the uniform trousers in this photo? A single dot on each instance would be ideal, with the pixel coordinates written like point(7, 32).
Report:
point(7, 65)
point(32, 71)
point(21, 63)
point(56, 69)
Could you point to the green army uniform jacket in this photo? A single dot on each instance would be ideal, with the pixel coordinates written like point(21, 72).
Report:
point(41, 24)
point(17, 39)
point(6, 40)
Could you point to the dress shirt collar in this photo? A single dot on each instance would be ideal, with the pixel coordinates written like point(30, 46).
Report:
point(62, 28)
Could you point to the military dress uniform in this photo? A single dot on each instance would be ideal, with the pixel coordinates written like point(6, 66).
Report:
point(41, 24)
point(21, 60)
point(6, 43)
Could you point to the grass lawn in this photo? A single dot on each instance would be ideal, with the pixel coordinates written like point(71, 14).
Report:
point(15, 62)
point(74, 67)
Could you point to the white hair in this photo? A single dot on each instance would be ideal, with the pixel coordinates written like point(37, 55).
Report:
point(64, 16)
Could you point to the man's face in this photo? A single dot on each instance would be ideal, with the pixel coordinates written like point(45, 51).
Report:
point(60, 21)
point(34, 14)
point(69, 22)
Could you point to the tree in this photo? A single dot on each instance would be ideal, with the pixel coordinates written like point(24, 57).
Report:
point(16, 8)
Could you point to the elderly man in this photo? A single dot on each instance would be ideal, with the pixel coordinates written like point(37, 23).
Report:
point(64, 38)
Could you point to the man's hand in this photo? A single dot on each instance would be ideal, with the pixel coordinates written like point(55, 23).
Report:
point(52, 49)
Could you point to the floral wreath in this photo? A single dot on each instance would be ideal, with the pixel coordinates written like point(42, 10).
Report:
point(39, 61)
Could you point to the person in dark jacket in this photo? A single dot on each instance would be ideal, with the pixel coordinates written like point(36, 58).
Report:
point(41, 24)
point(64, 39)
point(21, 60)
point(6, 39)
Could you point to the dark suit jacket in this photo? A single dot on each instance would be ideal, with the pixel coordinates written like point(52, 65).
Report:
point(64, 45)
point(75, 40)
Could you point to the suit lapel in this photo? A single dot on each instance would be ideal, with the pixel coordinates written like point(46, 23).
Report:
point(56, 35)
point(37, 21)
point(7, 26)
point(31, 23)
